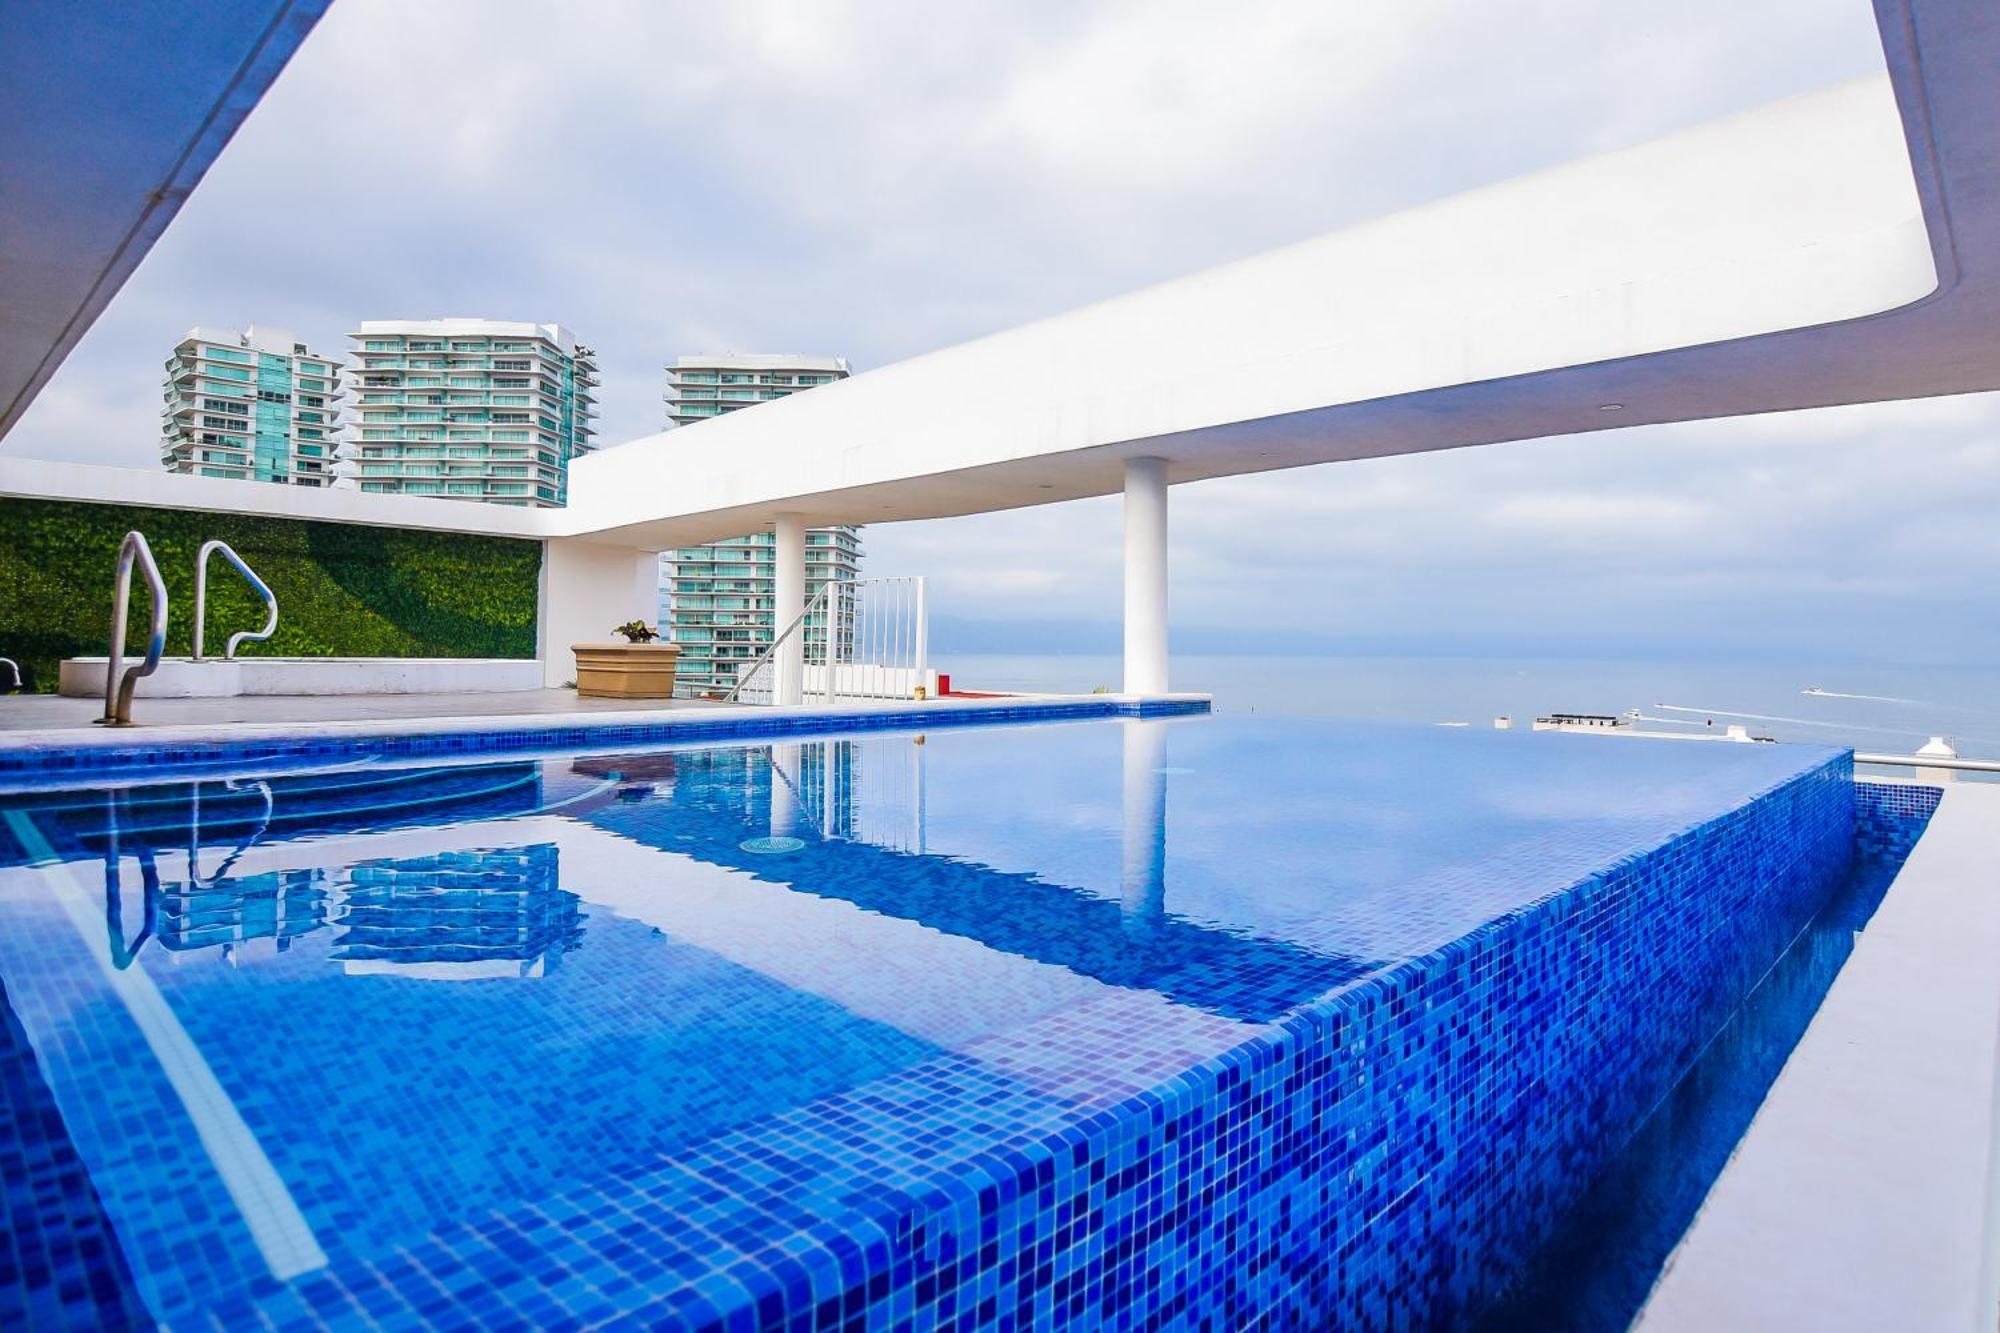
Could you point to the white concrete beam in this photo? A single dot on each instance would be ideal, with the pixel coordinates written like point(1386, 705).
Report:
point(1836, 248)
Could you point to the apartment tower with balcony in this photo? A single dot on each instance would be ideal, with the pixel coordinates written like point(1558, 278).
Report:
point(718, 601)
point(252, 406)
point(468, 409)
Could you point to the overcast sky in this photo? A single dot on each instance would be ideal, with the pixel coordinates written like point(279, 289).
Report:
point(878, 179)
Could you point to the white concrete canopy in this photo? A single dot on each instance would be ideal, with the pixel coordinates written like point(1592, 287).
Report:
point(1835, 248)
point(113, 113)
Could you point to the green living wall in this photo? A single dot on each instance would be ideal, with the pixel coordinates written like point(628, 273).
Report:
point(344, 590)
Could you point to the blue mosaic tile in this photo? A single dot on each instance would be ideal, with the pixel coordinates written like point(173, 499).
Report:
point(1889, 817)
point(60, 1266)
point(1314, 1025)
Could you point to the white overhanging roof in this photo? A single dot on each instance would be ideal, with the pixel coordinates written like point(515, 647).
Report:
point(113, 113)
point(1837, 248)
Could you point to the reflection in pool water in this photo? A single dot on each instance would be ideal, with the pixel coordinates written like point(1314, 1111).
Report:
point(426, 995)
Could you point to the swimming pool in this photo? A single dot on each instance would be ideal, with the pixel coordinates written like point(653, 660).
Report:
point(1143, 1021)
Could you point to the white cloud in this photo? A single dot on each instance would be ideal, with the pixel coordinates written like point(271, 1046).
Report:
point(1153, 94)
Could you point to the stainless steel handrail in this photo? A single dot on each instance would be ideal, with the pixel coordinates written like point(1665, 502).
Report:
point(15, 668)
point(743, 677)
point(257, 585)
point(196, 880)
point(120, 681)
point(1929, 761)
point(122, 951)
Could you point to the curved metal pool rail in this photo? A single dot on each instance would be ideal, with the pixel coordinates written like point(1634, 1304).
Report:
point(124, 951)
point(257, 585)
point(120, 680)
point(197, 880)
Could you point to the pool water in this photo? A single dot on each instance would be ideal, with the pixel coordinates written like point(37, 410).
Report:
point(299, 1026)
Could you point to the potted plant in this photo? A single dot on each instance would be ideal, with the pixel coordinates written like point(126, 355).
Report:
point(639, 668)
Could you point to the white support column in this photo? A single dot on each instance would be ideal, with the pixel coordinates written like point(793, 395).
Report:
point(788, 666)
point(923, 633)
point(1145, 576)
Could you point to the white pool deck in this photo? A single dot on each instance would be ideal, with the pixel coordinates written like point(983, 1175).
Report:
point(219, 678)
point(49, 722)
point(1863, 1195)
point(36, 713)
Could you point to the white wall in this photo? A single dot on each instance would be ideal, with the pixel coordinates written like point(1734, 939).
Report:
point(587, 589)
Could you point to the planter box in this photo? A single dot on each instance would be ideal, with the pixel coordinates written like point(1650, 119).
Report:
point(626, 670)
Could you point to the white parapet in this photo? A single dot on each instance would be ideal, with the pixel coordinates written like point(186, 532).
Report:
point(179, 678)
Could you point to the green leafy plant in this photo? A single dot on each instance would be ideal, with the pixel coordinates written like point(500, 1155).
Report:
point(637, 631)
point(344, 590)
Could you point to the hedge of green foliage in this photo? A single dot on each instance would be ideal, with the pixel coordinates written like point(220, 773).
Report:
point(344, 590)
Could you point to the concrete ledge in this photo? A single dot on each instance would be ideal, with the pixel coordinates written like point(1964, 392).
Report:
point(1860, 1197)
point(181, 678)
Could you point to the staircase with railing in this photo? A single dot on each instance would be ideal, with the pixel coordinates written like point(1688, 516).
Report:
point(120, 681)
point(856, 639)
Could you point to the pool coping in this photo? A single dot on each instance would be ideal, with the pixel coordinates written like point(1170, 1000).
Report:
point(30, 759)
point(1863, 1194)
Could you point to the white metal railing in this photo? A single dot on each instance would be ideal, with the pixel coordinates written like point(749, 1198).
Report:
point(757, 677)
point(119, 680)
point(861, 639)
point(257, 585)
point(1929, 761)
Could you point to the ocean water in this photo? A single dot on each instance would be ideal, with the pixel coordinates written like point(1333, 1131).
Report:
point(1868, 707)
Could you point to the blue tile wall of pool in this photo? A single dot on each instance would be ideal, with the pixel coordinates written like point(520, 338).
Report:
point(1263, 1119)
point(1889, 817)
point(1435, 1119)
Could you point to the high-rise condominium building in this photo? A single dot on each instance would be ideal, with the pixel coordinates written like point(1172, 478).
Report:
point(470, 409)
point(253, 406)
point(700, 387)
point(718, 601)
